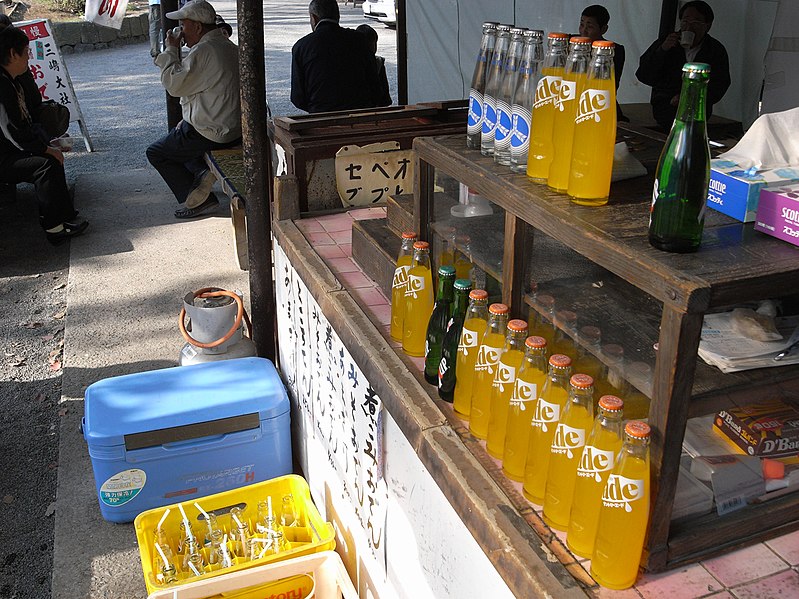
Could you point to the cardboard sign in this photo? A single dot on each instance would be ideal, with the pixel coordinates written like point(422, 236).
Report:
point(368, 175)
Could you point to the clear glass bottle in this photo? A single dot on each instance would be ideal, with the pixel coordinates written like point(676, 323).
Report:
point(399, 285)
point(219, 554)
point(463, 257)
point(485, 369)
point(447, 368)
point(437, 325)
point(239, 532)
point(289, 515)
point(493, 82)
point(524, 97)
point(504, 127)
point(588, 346)
point(474, 327)
point(542, 318)
point(418, 300)
point(565, 332)
point(677, 214)
point(612, 380)
point(446, 246)
point(195, 565)
point(166, 572)
point(474, 123)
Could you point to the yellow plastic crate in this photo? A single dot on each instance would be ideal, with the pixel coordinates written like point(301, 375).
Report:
point(318, 576)
point(312, 535)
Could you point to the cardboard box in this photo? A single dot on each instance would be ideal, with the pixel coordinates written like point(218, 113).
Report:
point(765, 429)
point(735, 191)
point(778, 213)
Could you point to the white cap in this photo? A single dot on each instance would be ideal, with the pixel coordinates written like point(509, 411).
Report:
point(195, 10)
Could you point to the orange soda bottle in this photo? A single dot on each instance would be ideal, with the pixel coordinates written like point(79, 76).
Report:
point(550, 403)
point(624, 514)
point(539, 155)
point(571, 86)
point(486, 367)
point(595, 131)
point(598, 459)
point(418, 300)
point(529, 383)
point(502, 388)
point(400, 284)
point(567, 448)
point(446, 248)
point(474, 326)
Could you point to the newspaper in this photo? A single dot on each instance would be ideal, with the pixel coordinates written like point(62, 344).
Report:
point(722, 346)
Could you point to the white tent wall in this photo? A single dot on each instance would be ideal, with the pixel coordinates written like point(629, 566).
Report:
point(444, 37)
point(781, 86)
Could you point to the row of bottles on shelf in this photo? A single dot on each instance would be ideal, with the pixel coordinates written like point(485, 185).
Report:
point(224, 541)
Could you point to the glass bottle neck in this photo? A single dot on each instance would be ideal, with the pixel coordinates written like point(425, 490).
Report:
point(461, 302)
point(421, 258)
point(693, 98)
point(560, 376)
point(445, 289)
point(478, 309)
point(515, 340)
point(497, 323)
point(583, 396)
point(635, 447)
point(536, 357)
point(610, 419)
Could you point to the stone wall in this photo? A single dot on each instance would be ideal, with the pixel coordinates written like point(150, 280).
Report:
point(82, 36)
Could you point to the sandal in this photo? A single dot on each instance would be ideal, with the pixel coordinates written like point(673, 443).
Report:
point(208, 205)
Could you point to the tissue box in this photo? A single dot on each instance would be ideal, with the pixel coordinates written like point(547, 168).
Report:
point(778, 213)
point(735, 191)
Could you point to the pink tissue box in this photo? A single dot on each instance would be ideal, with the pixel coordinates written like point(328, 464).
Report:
point(778, 213)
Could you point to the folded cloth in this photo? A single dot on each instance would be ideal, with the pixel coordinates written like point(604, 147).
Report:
point(771, 142)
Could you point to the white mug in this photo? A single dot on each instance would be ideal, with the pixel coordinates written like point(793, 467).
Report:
point(687, 38)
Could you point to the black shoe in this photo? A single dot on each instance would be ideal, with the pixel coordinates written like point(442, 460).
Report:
point(209, 205)
point(70, 230)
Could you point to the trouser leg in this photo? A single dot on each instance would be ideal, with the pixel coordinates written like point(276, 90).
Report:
point(47, 176)
point(155, 29)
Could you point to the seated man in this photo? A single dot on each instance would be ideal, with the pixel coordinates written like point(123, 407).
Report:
point(594, 25)
point(380, 63)
point(661, 65)
point(207, 82)
point(332, 67)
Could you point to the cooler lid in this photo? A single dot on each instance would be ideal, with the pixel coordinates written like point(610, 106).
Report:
point(237, 394)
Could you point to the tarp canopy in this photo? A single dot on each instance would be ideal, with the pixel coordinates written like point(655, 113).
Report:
point(443, 38)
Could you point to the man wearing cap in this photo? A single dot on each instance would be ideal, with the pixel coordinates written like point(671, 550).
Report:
point(207, 82)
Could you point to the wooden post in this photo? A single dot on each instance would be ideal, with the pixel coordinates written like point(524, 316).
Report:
point(173, 111)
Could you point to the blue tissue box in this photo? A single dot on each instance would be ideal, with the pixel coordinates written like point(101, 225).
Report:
point(736, 192)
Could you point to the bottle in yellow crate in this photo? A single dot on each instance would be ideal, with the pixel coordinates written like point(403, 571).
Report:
point(418, 300)
point(594, 131)
point(571, 86)
point(567, 449)
point(399, 285)
point(529, 383)
point(624, 515)
point(550, 403)
point(596, 463)
point(486, 367)
point(539, 154)
point(474, 326)
point(504, 383)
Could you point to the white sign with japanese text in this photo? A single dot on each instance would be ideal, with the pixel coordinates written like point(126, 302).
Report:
point(368, 175)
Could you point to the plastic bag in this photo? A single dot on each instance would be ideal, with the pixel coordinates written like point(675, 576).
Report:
point(108, 13)
point(755, 325)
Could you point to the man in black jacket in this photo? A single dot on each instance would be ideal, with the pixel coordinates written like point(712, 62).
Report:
point(661, 65)
point(332, 67)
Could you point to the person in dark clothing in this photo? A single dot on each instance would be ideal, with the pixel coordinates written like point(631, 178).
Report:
point(24, 151)
point(332, 67)
point(370, 34)
point(661, 65)
point(593, 25)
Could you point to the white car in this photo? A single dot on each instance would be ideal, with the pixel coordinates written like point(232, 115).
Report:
point(384, 11)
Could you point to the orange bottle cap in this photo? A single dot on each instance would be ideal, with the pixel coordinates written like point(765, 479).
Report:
point(582, 381)
point(408, 235)
point(611, 403)
point(580, 40)
point(421, 245)
point(558, 35)
point(637, 429)
point(590, 333)
point(498, 309)
point(535, 341)
point(545, 301)
point(613, 350)
point(517, 325)
point(560, 361)
point(603, 44)
point(478, 294)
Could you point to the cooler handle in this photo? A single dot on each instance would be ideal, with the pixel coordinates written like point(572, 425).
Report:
point(215, 429)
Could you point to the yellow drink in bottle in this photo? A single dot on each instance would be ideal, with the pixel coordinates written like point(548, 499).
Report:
point(567, 449)
point(550, 403)
point(504, 382)
point(594, 132)
point(485, 368)
point(596, 463)
point(624, 514)
point(529, 383)
point(540, 152)
point(418, 301)
point(474, 327)
point(399, 285)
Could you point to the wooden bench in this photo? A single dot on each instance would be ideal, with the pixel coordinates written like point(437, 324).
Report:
point(228, 168)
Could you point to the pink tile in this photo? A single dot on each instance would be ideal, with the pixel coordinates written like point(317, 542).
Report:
point(372, 296)
point(383, 314)
point(319, 238)
point(787, 547)
point(355, 280)
point(346, 248)
point(342, 264)
point(785, 584)
point(309, 225)
point(418, 363)
point(367, 213)
point(342, 236)
point(336, 222)
point(744, 565)
point(689, 581)
point(330, 252)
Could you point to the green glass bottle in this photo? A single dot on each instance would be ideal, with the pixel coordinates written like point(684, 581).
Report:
point(437, 325)
point(449, 347)
point(677, 213)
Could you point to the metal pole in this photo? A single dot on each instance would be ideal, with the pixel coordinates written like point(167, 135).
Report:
point(668, 15)
point(402, 54)
point(173, 111)
point(258, 173)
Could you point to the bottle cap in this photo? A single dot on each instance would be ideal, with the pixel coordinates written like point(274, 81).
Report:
point(556, 35)
point(535, 341)
point(498, 309)
point(463, 285)
point(590, 334)
point(696, 67)
point(421, 245)
point(611, 403)
point(603, 44)
point(408, 235)
point(545, 301)
point(447, 270)
point(560, 361)
point(504, 27)
point(637, 429)
point(518, 30)
point(566, 318)
point(582, 381)
point(517, 325)
point(478, 294)
point(613, 350)
point(580, 40)
point(533, 33)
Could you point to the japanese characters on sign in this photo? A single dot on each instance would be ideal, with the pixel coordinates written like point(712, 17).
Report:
point(368, 175)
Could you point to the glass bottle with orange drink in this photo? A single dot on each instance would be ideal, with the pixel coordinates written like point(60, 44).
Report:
point(624, 514)
point(486, 367)
point(474, 327)
point(596, 463)
point(594, 131)
point(463, 257)
point(529, 384)
point(503, 385)
point(418, 300)
point(540, 151)
point(575, 75)
point(446, 247)
point(550, 404)
point(400, 284)
point(567, 449)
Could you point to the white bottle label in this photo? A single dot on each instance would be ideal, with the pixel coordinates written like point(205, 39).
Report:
point(487, 358)
point(400, 280)
point(566, 93)
point(520, 138)
point(467, 342)
point(594, 462)
point(415, 286)
point(546, 414)
point(504, 377)
point(547, 90)
point(475, 115)
point(621, 491)
point(593, 102)
point(568, 440)
point(523, 392)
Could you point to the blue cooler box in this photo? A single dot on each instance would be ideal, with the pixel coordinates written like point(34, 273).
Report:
point(172, 435)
